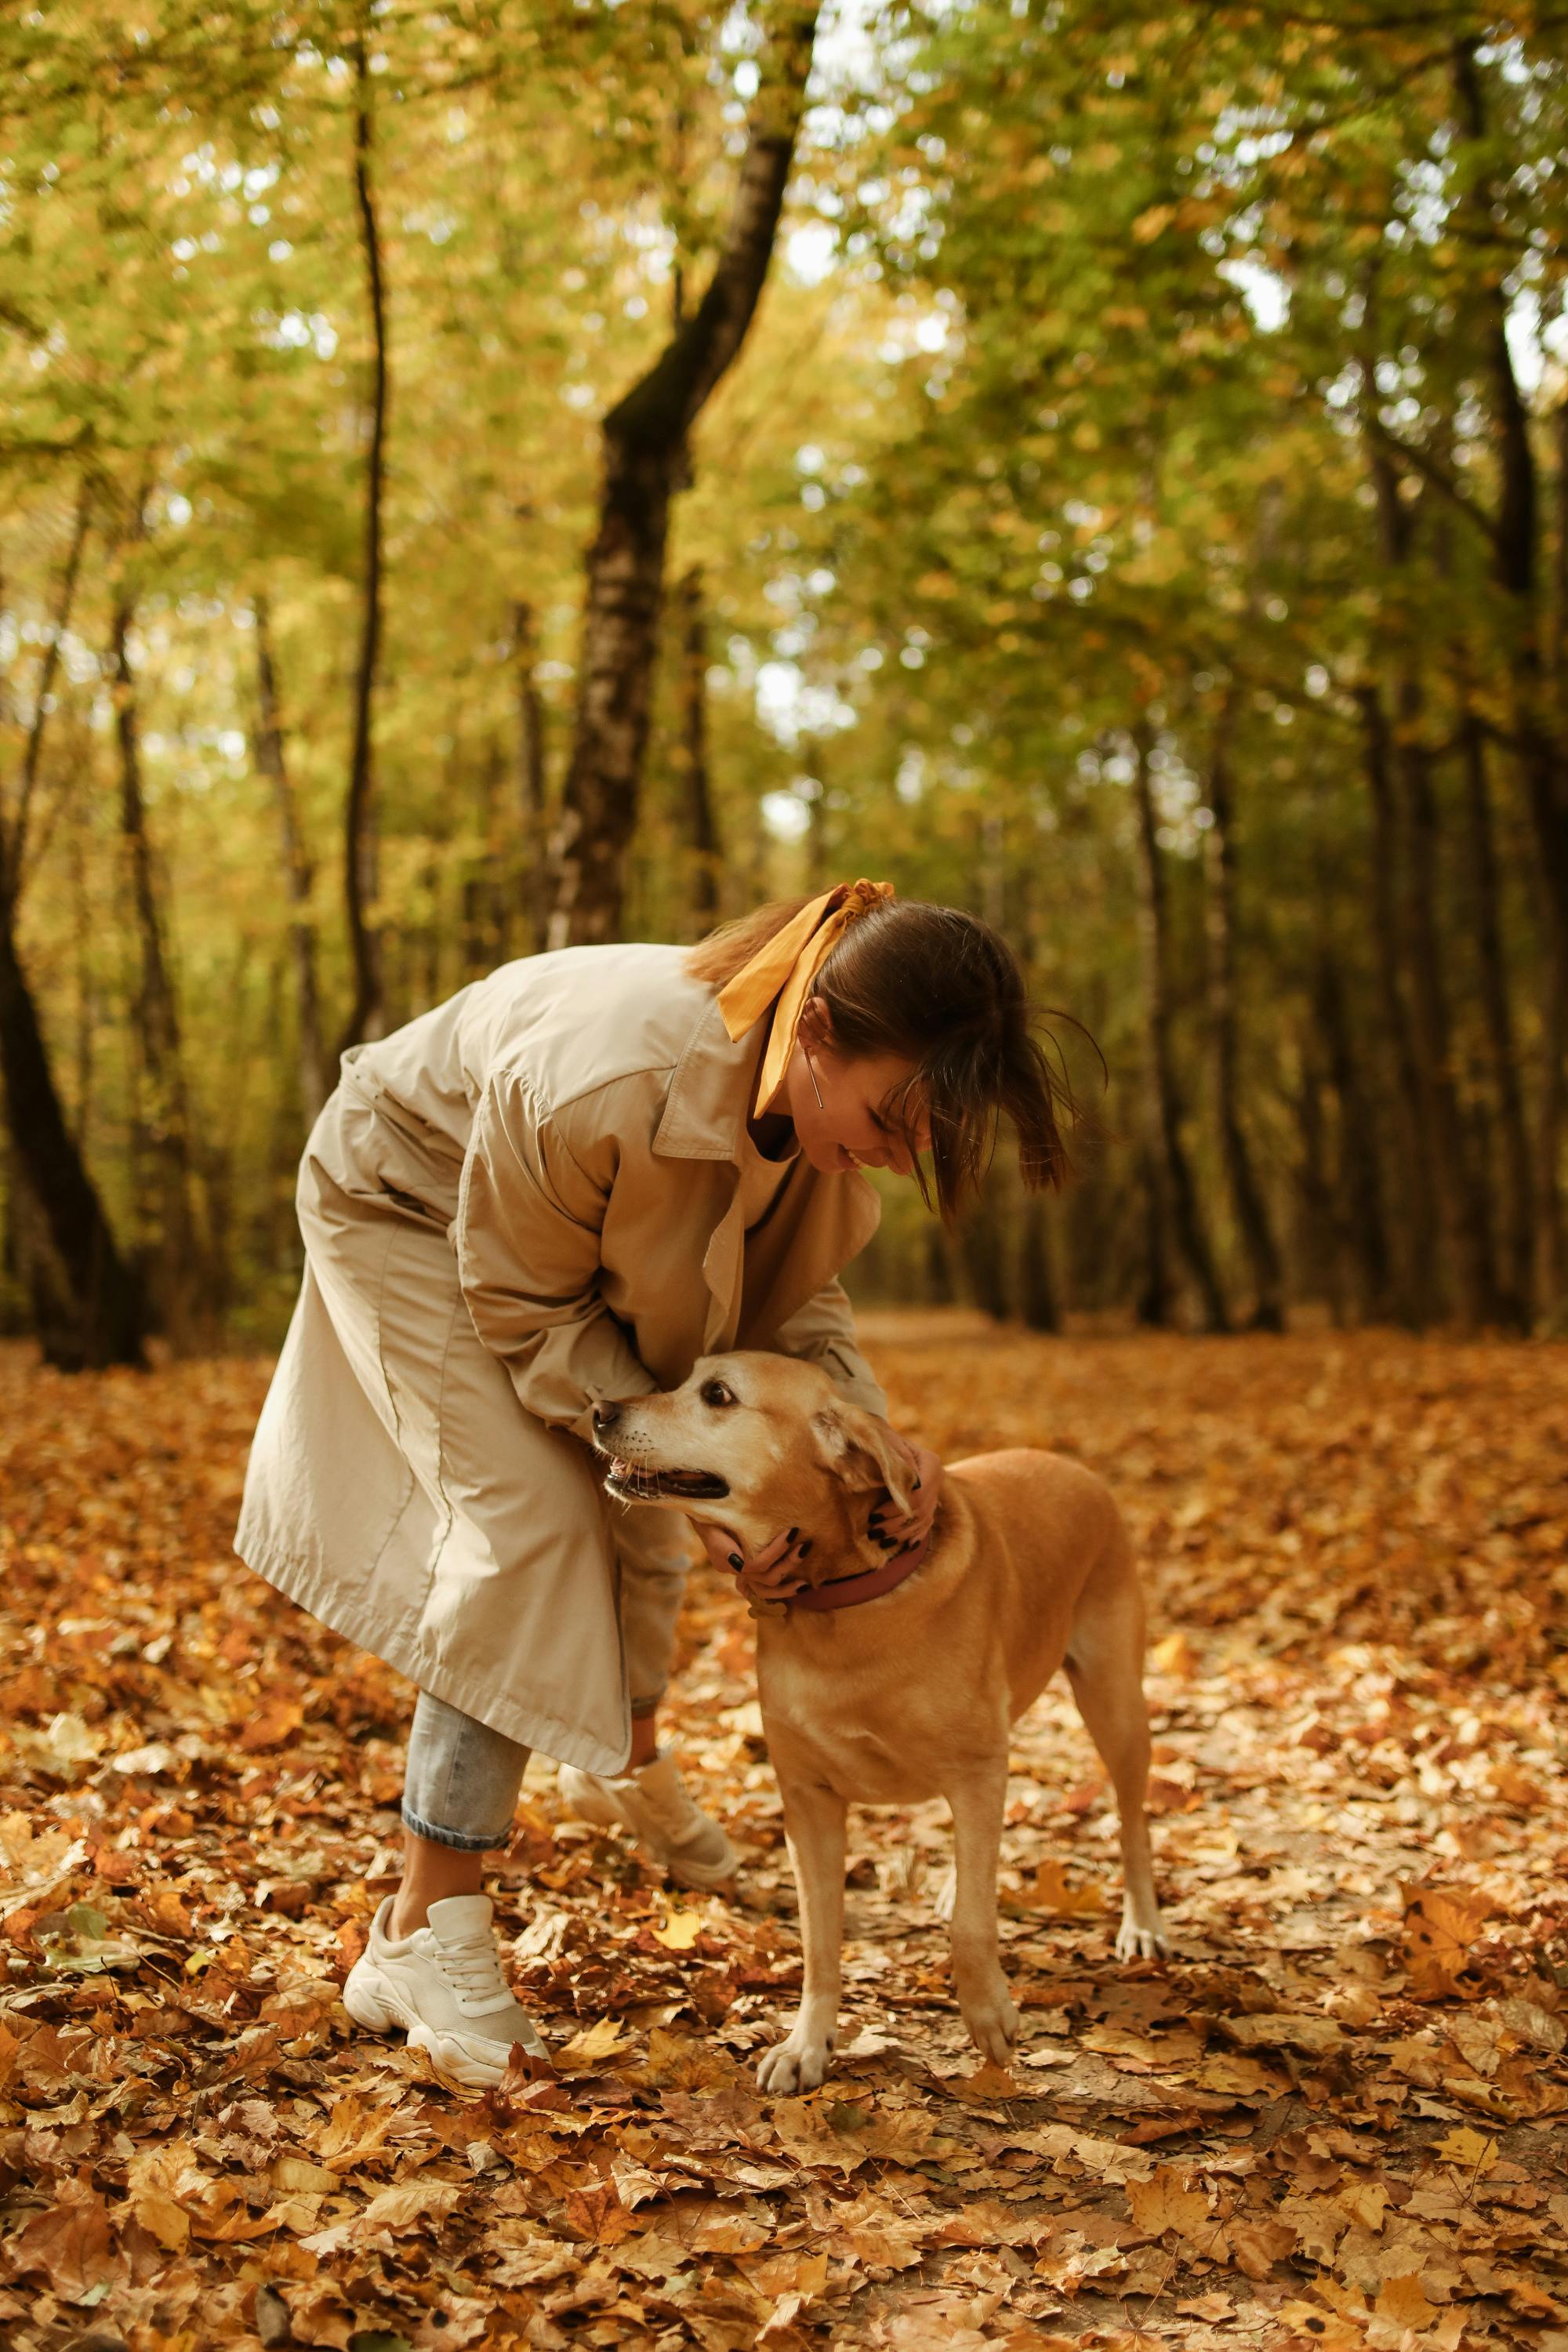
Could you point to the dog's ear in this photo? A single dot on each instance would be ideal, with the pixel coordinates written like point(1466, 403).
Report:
point(860, 1448)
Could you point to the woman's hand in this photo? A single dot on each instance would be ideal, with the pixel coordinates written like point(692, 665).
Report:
point(771, 1574)
point(893, 1529)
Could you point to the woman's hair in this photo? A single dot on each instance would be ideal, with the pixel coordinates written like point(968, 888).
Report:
point(940, 990)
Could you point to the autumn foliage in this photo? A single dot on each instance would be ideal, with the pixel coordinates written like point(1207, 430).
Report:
point(1335, 2118)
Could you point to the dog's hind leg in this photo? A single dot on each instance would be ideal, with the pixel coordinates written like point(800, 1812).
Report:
point(814, 1825)
point(977, 1799)
point(1105, 1666)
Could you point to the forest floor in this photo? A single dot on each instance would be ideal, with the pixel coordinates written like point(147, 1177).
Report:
point(1337, 2117)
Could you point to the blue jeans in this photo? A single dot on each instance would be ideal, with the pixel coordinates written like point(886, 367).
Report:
point(461, 1781)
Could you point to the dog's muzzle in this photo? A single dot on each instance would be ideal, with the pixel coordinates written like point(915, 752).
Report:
point(637, 1482)
point(636, 1485)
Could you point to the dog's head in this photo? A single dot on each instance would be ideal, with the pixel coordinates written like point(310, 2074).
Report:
point(755, 1444)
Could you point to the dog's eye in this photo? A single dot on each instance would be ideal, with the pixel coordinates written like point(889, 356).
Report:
point(714, 1392)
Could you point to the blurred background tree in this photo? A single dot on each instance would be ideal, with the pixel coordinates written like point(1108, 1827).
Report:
point(537, 469)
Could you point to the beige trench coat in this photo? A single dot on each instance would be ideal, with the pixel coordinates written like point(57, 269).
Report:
point(522, 1202)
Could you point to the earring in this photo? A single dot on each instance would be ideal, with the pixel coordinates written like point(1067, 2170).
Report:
point(811, 1067)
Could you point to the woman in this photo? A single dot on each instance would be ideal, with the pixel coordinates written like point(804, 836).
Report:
point(565, 1184)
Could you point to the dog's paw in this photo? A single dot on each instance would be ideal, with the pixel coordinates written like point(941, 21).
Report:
point(797, 2064)
point(1143, 1939)
point(993, 2022)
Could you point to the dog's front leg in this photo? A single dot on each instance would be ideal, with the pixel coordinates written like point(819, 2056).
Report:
point(814, 1824)
point(977, 1800)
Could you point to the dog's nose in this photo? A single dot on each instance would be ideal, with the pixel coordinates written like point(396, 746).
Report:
point(605, 1415)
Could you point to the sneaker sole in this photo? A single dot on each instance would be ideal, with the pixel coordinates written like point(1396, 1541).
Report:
point(373, 2004)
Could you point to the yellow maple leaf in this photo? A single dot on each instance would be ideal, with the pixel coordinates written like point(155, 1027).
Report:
point(1048, 1891)
point(1440, 1924)
point(600, 2041)
point(1166, 2202)
point(1175, 1655)
point(1471, 2149)
point(679, 1929)
point(1403, 2301)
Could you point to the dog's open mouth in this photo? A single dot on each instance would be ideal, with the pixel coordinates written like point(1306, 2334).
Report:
point(639, 1486)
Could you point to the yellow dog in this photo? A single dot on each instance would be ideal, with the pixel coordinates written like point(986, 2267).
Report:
point(889, 1683)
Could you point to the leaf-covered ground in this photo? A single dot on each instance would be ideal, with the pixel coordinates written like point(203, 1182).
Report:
point(1338, 2117)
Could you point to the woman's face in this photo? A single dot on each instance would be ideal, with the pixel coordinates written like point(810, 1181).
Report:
point(852, 1125)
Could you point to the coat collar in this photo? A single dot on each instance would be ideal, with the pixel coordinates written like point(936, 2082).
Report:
point(710, 1092)
point(817, 1224)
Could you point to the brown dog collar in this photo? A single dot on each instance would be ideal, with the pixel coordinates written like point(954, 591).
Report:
point(849, 1591)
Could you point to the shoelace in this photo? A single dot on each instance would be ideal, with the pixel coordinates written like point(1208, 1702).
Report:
point(473, 1970)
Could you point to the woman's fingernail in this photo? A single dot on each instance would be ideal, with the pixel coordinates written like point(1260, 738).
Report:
point(736, 1562)
point(806, 1546)
point(792, 1534)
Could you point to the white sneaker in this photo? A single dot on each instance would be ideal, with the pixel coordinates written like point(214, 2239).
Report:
point(444, 1985)
point(652, 1803)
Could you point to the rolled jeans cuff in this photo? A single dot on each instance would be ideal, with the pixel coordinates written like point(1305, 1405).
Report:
point(458, 1840)
point(460, 1773)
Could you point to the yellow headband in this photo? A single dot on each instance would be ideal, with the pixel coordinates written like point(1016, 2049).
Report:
point(786, 969)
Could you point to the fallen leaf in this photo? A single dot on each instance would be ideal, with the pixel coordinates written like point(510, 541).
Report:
point(1048, 1890)
point(1167, 2200)
point(1440, 1926)
point(678, 1930)
point(1403, 2302)
point(409, 2203)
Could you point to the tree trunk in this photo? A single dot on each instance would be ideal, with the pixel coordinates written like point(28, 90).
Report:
point(1153, 1305)
point(701, 830)
point(1321, 1204)
point(533, 893)
point(298, 873)
point(645, 439)
point(1251, 1214)
point(87, 1303)
point(14, 844)
point(1359, 1175)
point(1178, 1176)
point(361, 829)
point(1538, 728)
point(164, 1137)
point(982, 1249)
point(1037, 1301)
point(1416, 1297)
point(940, 1288)
point(1461, 1202)
point(1550, 1253)
point(1517, 1288)
point(485, 907)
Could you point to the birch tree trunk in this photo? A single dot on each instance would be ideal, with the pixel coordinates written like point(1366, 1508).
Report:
point(1175, 1174)
point(645, 441)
